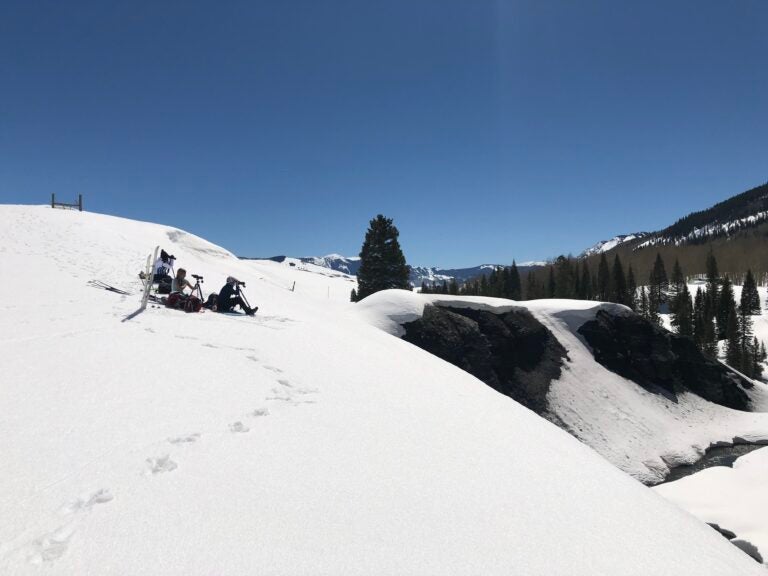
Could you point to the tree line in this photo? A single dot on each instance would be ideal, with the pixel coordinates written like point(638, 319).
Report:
point(712, 318)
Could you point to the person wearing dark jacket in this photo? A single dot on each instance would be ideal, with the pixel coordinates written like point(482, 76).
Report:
point(229, 297)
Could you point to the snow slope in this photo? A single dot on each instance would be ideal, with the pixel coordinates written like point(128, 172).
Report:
point(733, 498)
point(301, 441)
point(642, 433)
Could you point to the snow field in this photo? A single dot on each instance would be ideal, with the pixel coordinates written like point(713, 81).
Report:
point(300, 441)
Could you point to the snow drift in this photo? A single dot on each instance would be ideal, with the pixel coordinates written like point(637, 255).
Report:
point(301, 441)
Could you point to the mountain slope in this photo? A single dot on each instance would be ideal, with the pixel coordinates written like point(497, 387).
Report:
point(299, 441)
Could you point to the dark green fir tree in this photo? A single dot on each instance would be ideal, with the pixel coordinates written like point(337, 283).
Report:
point(382, 263)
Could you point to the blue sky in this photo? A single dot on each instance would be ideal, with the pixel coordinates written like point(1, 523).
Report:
point(487, 130)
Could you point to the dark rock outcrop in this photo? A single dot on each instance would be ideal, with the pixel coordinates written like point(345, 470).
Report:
point(512, 352)
point(661, 362)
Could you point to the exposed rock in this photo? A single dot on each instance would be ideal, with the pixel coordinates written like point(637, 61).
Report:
point(661, 362)
point(512, 352)
point(727, 533)
point(748, 548)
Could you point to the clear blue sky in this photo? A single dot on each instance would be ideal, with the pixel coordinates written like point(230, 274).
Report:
point(487, 130)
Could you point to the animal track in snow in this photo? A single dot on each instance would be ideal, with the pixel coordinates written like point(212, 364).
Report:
point(273, 369)
point(260, 412)
point(238, 427)
point(84, 504)
point(161, 464)
point(51, 546)
point(279, 395)
point(185, 439)
point(284, 382)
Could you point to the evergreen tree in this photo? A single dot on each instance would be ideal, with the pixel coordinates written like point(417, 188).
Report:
point(603, 286)
point(353, 295)
point(657, 284)
point(733, 347)
point(726, 305)
point(713, 275)
point(758, 357)
point(515, 288)
point(424, 288)
point(453, 287)
point(750, 299)
point(382, 263)
point(748, 352)
point(682, 317)
point(531, 287)
point(698, 318)
point(551, 285)
point(643, 309)
point(632, 288)
point(708, 334)
point(653, 309)
point(675, 285)
point(619, 292)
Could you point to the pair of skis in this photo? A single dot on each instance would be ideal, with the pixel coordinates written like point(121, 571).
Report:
point(149, 274)
point(104, 286)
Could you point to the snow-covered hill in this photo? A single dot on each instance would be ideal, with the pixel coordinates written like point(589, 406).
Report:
point(300, 441)
point(640, 432)
point(606, 245)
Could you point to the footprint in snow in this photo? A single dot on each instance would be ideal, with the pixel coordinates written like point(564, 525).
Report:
point(160, 464)
point(51, 546)
point(185, 439)
point(284, 382)
point(272, 368)
point(85, 504)
point(259, 412)
point(238, 427)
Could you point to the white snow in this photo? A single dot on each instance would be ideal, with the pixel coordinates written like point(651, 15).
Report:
point(733, 498)
point(641, 433)
point(606, 245)
point(300, 441)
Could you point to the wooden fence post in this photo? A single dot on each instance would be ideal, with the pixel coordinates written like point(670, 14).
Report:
point(53, 200)
point(80, 202)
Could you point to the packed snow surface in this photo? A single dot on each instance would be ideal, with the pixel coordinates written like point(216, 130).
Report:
point(733, 498)
point(300, 441)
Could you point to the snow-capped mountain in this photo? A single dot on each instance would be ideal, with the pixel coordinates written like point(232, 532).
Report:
point(726, 219)
point(303, 440)
point(606, 245)
point(430, 275)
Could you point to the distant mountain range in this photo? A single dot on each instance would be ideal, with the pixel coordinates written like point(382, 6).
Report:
point(735, 230)
point(430, 275)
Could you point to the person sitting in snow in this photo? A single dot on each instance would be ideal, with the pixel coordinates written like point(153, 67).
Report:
point(163, 266)
point(229, 297)
point(180, 282)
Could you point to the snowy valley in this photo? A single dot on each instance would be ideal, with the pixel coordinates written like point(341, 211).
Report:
point(312, 439)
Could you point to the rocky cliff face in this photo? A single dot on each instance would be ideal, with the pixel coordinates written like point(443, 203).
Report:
point(661, 362)
point(515, 354)
point(511, 352)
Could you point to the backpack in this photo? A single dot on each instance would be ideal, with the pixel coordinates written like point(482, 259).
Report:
point(164, 286)
point(192, 304)
point(175, 300)
point(210, 304)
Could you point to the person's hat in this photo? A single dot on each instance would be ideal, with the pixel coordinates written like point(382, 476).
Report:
point(231, 280)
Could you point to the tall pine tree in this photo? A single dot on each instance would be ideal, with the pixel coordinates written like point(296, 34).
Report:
point(750, 299)
point(619, 292)
point(382, 263)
